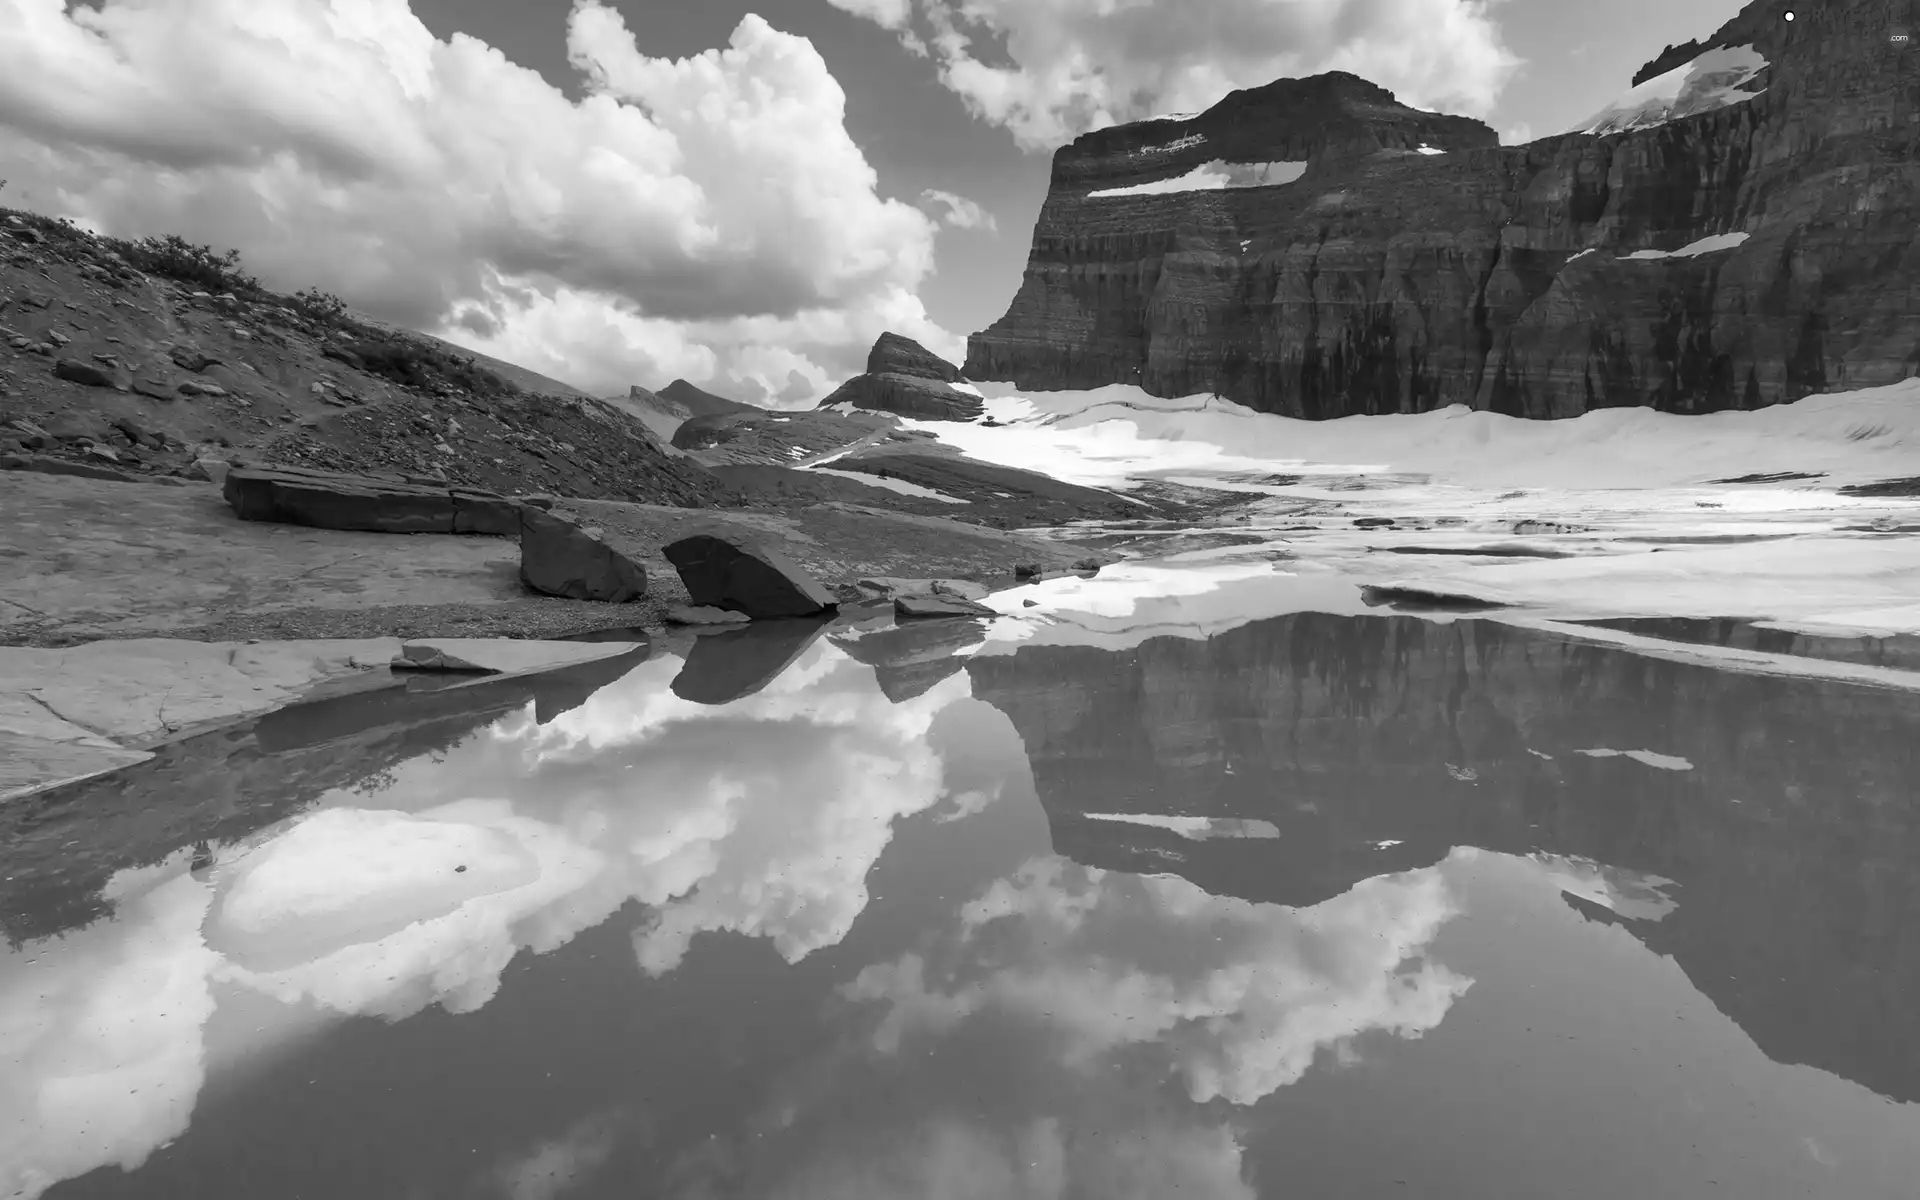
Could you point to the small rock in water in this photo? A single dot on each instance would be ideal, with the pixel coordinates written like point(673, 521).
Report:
point(939, 606)
point(965, 589)
point(683, 614)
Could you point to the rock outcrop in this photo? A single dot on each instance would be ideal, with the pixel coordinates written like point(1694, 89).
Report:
point(327, 500)
point(558, 558)
point(1331, 251)
point(906, 379)
point(726, 569)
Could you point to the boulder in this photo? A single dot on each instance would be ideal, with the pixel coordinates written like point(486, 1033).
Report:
point(78, 425)
point(940, 606)
point(88, 374)
point(726, 569)
point(213, 470)
point(558, 558)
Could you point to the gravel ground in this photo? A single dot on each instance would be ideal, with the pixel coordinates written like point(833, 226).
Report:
point(535, 617)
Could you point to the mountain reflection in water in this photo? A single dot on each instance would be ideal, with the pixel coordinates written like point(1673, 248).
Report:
point(1315, 906)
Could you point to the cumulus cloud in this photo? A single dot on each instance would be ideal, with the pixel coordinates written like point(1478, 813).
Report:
point(1050, 70)
point(1241, 997)
point(706, 217)
point(961, 213)
point(103, 1041)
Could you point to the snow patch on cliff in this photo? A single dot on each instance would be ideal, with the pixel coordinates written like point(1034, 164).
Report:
point(1213, 176)
point(889, 484)
point(1196, 829)
point(1428, 150)
point(1715, 79)
point(1706, 245)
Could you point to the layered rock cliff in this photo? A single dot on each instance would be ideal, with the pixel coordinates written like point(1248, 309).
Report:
point(1378, 744)
point(1406, 261)
point(908, 380)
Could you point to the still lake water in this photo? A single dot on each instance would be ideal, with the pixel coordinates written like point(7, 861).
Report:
point(1320, 906)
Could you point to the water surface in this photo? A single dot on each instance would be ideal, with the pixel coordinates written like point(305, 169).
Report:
point(1314, 906)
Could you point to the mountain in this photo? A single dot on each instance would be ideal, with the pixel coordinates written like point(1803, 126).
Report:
point(908, 380)
point(1778, 805)
point(1735, 231)
point(666, 410)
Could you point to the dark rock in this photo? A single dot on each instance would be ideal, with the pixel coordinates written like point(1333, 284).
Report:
point(87, 374)
point(1026, 570)
point(78, 425)
point(682, 614)
point(724, 667)
point(1415, 599)
point(1088, 564)
point(543, 502)
point(1372, 522)
point(153, 389)
point(940, 606)
point(558, 558)
point(1386, 281)
point(725, 569)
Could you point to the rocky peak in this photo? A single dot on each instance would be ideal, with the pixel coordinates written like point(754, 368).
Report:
point(1288, 120)
point(897, 355)
point(908, 380)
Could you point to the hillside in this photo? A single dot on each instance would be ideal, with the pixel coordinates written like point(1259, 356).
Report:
point(138, 359)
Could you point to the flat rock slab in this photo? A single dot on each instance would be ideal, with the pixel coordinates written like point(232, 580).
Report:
point(940, 606)
point(502, 656)
point(727, 568)
point(326, 500)
point(888, 587)
point(70, 713)
point(138, 558)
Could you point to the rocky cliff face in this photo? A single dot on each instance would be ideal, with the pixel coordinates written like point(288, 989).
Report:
point(907, 379)
point(1378, 744)
point(1381, 277)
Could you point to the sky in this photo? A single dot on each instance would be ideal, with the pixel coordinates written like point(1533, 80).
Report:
point(741, 193)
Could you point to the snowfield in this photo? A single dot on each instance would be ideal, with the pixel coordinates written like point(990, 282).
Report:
point(1716, 79)
point(1212, 176)
point(1617, 513)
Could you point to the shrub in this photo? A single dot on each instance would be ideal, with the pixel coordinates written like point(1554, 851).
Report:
point(174, 257)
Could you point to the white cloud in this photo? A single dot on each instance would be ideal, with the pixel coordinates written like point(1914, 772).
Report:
point(1263, 989)
point(707, 217)
point(762, 817)
point(888, 14)
point(961, 213)
point(102, 1040)
point(1070, 66)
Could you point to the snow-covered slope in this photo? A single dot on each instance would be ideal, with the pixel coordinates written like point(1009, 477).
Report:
point(1212, 176)
point(1713, 80)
